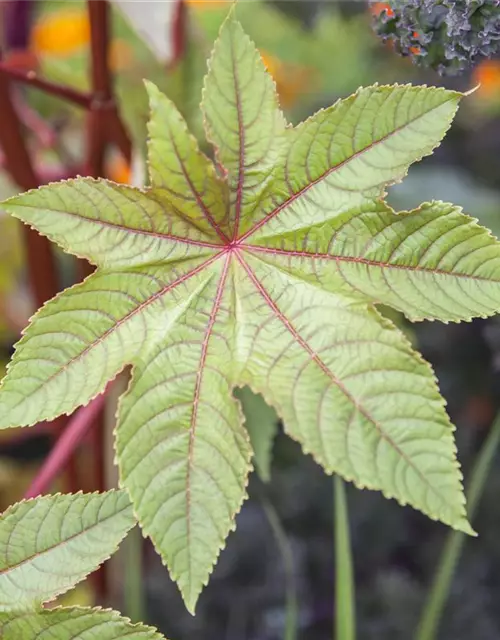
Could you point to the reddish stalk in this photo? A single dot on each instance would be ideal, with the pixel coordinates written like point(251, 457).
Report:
point(104, 127)
point(31, 78)
point(45, 134)
point(17, 15)
point(179, 31)
point(41, 264)
point(42, 269)
point(102, 98)
point(64, 448)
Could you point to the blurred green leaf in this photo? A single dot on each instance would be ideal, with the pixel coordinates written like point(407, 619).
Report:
point(261, 422)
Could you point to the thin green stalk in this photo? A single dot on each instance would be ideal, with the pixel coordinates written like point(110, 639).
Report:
point(431, 617)
point(133, 587)
point(345, 610)
point(288, 566)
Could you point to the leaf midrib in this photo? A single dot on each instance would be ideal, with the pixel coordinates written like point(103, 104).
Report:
point(61, 544)
point(315, 357)
point(127, 317)
point(331, 170)
point(365, 261)
point(196, 398)
point(120, 227)
point(199, 200)
point(241, 136)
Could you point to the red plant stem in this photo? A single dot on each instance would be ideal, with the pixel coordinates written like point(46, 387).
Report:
point(65, 446)
point(17, 16)
point(41, 263)
point(99, 32)
point(31, 78)
point(42, 268)
point(179, 28)
point(45, 134)
point(104, 125)
point(101, 86)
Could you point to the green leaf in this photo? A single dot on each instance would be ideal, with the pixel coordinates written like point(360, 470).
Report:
point(342, 158)
point(65, 623)
point(433, 262)
point(49, 544)
point(261, 422)
point(262, 271)
point(177, 165)
point(242, 119)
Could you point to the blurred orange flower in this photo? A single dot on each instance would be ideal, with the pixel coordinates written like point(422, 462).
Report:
point(292, 80)
point(118, 170)
point(67, 31)
point(487, 75)
point(377, 7)
point(120, 55)
point(208, 4)
point(61, 33)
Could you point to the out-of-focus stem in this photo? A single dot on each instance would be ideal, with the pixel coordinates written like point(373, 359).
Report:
point(64, 448)
point(438, 595)
point(288, 566)
point(345, 613)
point(32, 79)
point(40, 258)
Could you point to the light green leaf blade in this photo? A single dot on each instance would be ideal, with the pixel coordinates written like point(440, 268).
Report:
point(356, 395)
point(177, 166)
point(183, 453)
point(49, 544)
point(85, 336)
point(242, 120)
point(434, 262)
point(278, 295)
point(347, 154)
point(261, 422)
point(65, 623)
point(109, 224)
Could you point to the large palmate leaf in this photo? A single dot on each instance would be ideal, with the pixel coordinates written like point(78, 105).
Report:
point(72, 622)
point(49, 544)
point(262, 271)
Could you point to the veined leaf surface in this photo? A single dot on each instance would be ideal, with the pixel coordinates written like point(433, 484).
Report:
point(72, 622)
point(49, 544)
point(262, 271)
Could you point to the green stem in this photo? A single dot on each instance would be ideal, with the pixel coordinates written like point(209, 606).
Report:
point(345, 614)
point(288, 566)
point(133, 588)
point(429, 622)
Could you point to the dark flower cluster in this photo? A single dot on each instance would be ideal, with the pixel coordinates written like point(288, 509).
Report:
point(446, 35)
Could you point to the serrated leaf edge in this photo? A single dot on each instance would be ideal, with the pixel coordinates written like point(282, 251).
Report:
point(386, 184)
point(47, 498)
point(138, 626)
point(267, 395)
point(231, 17)
point(190, 606)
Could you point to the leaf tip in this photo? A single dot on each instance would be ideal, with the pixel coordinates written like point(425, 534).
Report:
point(464, 527)
point(190, 596)
point(231, 19)
point(154, 93)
